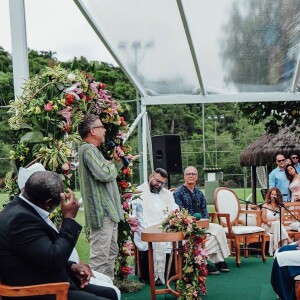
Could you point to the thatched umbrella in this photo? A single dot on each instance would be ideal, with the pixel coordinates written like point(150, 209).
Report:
point(263, 152)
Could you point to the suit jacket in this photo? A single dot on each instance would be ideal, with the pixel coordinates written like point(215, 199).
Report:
point(31, 251)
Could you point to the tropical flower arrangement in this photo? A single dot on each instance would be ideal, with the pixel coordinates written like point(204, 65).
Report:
point(46, 117)
point(192, 283)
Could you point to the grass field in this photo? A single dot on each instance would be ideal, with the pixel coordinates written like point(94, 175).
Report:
point(83, 245)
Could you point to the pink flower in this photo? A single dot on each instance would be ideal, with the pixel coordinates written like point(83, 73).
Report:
point(134, 224)
point(94, 86)
point(67, 114)
point(74, 90)
point(125, 205)
point(65, 168)
point(48, 107)
point(127, 248)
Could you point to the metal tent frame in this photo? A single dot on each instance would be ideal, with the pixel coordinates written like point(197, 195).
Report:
point(201, 93)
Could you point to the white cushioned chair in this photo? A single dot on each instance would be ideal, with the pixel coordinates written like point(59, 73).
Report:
point(228, 210)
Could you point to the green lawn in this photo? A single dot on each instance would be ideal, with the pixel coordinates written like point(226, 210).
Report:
point(83, 245)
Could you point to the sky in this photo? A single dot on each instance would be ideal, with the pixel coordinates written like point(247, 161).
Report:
point(56, 25)
point(59, 26)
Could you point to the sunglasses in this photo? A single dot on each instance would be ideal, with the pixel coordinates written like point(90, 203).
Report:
point(281, 160)
point(294, 157)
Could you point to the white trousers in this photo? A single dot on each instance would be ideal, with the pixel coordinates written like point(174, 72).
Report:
point(216, 245)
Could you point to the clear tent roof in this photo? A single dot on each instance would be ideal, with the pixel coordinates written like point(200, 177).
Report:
point(193, 51)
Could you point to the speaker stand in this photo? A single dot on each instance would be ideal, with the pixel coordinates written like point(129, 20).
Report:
point(169, 181)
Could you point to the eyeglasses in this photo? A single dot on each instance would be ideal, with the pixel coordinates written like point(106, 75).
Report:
point(100, 126)
point(280, 160)
point(191, 174)
point(159, 181)
point(294, 157)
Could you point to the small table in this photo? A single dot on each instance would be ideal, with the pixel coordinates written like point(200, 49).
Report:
point(155, 234)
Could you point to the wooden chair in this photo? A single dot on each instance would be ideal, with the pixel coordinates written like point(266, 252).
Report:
point(289, 216)
point(228, 210)
point(297, 287)
point(59, 289)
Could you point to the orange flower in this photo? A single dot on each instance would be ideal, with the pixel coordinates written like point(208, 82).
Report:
point(69, 99)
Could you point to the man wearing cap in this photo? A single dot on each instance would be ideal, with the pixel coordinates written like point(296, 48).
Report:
point(188, 196)
point(32, 251)
point(96, 278)
point(151, 208)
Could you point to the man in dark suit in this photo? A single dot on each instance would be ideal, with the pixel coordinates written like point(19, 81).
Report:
point(31, 249)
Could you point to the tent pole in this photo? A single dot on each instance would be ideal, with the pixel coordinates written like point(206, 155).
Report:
point(253, 184)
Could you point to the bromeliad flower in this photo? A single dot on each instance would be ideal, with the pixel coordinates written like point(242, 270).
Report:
point(67, 114)
point(74, 90)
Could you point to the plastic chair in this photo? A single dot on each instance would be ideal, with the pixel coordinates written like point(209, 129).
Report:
point(228, 210)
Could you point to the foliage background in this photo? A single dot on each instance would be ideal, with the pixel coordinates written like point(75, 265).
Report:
point(185, 120)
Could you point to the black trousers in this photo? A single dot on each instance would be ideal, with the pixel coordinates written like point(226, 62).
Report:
point(93, 292)
point(144, 265)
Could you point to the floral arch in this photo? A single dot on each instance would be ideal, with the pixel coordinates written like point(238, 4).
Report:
point(45, 118)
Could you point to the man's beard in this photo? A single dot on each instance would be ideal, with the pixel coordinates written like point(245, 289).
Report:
point(154, 189)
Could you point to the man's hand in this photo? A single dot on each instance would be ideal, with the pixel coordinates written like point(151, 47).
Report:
point(69, 204)
point(117, 153)
point(81, 274)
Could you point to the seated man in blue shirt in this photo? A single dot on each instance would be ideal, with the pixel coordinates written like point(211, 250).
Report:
point(277, 178)
point(188, 196)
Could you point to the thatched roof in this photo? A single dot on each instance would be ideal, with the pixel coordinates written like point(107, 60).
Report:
point(264, 150)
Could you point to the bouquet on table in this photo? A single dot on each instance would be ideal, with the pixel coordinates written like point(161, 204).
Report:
point(192, 283)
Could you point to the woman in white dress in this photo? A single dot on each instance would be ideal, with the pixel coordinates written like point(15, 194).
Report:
point(270, 220)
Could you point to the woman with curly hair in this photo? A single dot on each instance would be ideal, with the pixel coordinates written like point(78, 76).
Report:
point(270, 220)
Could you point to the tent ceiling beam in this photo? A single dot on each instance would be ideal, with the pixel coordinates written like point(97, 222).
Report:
point(296, 75)
point(218, 98)
point(108, 46)
point(191, 44)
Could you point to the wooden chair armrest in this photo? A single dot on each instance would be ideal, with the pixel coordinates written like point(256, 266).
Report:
point(255, 212)
point(228, 224)
point(249, 211)
point(60, 289)
point(241, 222)
point(213, 216)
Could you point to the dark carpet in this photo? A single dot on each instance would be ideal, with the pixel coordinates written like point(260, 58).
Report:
point(249, 282)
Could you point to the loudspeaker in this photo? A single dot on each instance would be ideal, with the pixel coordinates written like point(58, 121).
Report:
point(167, 153)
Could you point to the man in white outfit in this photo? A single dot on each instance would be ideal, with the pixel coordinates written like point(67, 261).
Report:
point(188, 196)
point(151, 208)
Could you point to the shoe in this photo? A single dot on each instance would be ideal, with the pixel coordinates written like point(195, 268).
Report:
point(158, 282)
point(222, 266)
point(211, 270)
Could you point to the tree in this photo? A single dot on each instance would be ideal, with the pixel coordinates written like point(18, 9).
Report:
point(259, 49)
